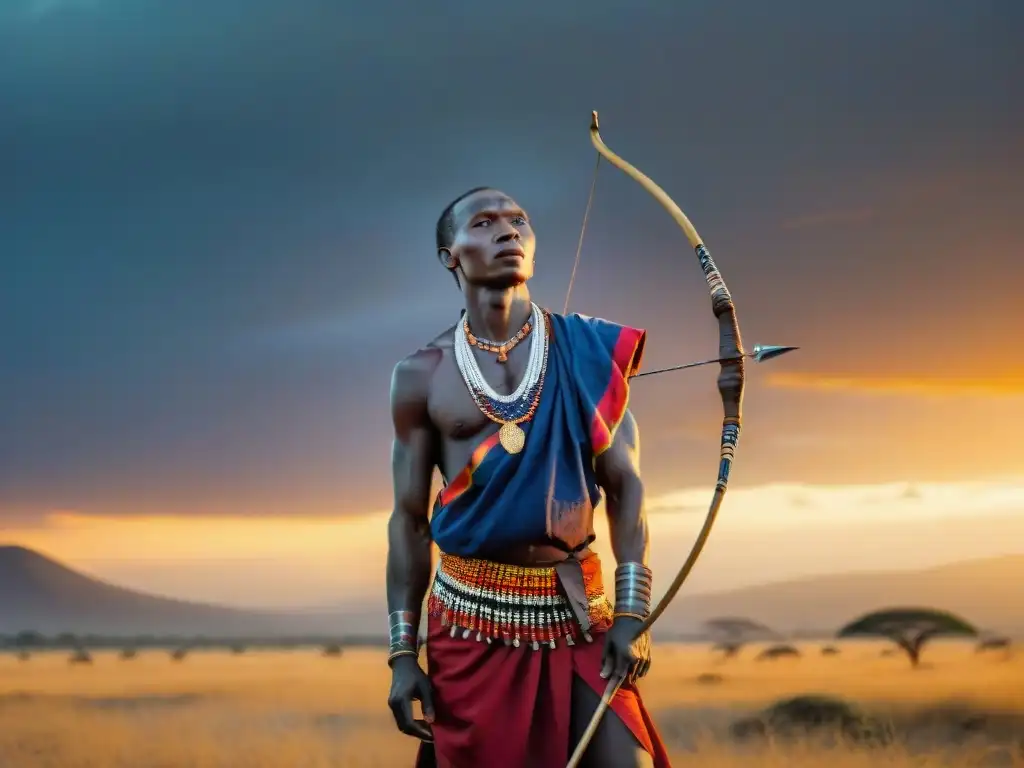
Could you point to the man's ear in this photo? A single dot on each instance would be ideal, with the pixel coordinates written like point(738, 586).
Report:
point(447, 259)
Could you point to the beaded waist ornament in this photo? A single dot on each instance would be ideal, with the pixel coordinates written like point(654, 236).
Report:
point(517, 605)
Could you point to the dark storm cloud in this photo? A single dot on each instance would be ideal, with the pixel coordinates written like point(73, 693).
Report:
point(217, 216)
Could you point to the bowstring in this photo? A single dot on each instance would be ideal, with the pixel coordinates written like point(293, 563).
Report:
point(583, 229)
point(565, 309)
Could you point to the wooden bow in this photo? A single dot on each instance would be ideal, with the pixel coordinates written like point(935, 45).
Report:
point(730, 386)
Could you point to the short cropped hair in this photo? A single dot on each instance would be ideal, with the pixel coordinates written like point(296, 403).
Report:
point(446, 224)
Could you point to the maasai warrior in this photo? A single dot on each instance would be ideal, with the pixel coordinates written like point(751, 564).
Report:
point(524, 413)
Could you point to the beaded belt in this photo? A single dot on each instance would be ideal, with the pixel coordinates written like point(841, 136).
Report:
point(514, 604)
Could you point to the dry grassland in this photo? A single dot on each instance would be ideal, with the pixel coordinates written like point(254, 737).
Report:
point(301, 710)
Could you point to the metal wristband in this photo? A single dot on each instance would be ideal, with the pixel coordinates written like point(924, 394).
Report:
point(402, 637)
point(398, 654)
point(633, 589)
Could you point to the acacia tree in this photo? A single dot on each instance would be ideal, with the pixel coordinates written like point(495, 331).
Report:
point(29, 638)
point(731, 633)
point(909, 628)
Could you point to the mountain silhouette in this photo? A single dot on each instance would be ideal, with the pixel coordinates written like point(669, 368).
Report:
point(988, 592)
point(38, 593)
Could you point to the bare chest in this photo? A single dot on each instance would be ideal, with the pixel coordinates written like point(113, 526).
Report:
point(459, 422)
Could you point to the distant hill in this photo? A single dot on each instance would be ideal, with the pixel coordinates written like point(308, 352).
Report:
point(38, 593)
point(41, 594)
point(988, 592)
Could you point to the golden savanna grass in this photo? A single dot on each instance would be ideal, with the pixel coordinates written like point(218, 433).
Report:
point(302, 710)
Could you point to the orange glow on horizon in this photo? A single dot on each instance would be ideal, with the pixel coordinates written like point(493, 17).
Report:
point(951, 386)
point(765, 532)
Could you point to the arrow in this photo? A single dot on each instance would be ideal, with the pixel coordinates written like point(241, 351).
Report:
point(759, 354)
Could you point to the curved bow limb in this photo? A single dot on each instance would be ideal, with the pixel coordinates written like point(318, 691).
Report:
point(730, 387)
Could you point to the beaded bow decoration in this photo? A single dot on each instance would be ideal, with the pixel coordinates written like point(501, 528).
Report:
point(731, 380)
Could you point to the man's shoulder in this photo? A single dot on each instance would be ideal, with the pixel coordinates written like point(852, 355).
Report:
point(603, 338)
point(584, 319)
point(414, 372)
point(579, 321)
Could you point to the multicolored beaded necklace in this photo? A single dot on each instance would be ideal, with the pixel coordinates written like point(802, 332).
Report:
point(508, 410)
point(502, 348)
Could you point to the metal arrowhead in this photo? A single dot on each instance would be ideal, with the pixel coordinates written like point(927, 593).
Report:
point(762, 352)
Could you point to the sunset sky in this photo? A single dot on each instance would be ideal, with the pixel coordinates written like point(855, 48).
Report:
point(217, 239)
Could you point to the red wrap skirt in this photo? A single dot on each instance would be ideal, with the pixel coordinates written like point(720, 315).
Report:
point(507, 705)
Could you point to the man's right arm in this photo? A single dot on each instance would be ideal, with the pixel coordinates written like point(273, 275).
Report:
point(412, 466)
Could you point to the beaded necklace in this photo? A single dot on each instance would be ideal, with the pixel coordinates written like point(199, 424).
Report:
point(502, 348)
point(513, 409)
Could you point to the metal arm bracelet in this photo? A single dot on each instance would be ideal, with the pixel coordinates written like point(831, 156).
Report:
point(633, 590)
point(402, 638)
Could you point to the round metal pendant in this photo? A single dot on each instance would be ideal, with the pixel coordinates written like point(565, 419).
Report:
point(512, 437)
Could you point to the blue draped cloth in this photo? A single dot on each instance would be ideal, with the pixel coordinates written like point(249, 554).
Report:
point(547, 492)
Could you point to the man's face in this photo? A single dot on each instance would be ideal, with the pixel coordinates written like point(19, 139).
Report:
point(494, 243)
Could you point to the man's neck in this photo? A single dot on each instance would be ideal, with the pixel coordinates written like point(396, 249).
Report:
point(497, 314)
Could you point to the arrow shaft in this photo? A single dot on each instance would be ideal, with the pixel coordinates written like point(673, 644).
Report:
point(758, 355)
point(687, 365)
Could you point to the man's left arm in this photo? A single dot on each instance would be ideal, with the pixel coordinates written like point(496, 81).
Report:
point(618, 474)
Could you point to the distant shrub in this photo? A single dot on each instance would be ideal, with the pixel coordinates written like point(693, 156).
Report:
point(80, 656)
point(332, 649)
point(179, 654)
point(993, 644)
point(128, 653)
point(709, 678)
point(778, 652)
point(829, 650)
point(809, 715)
